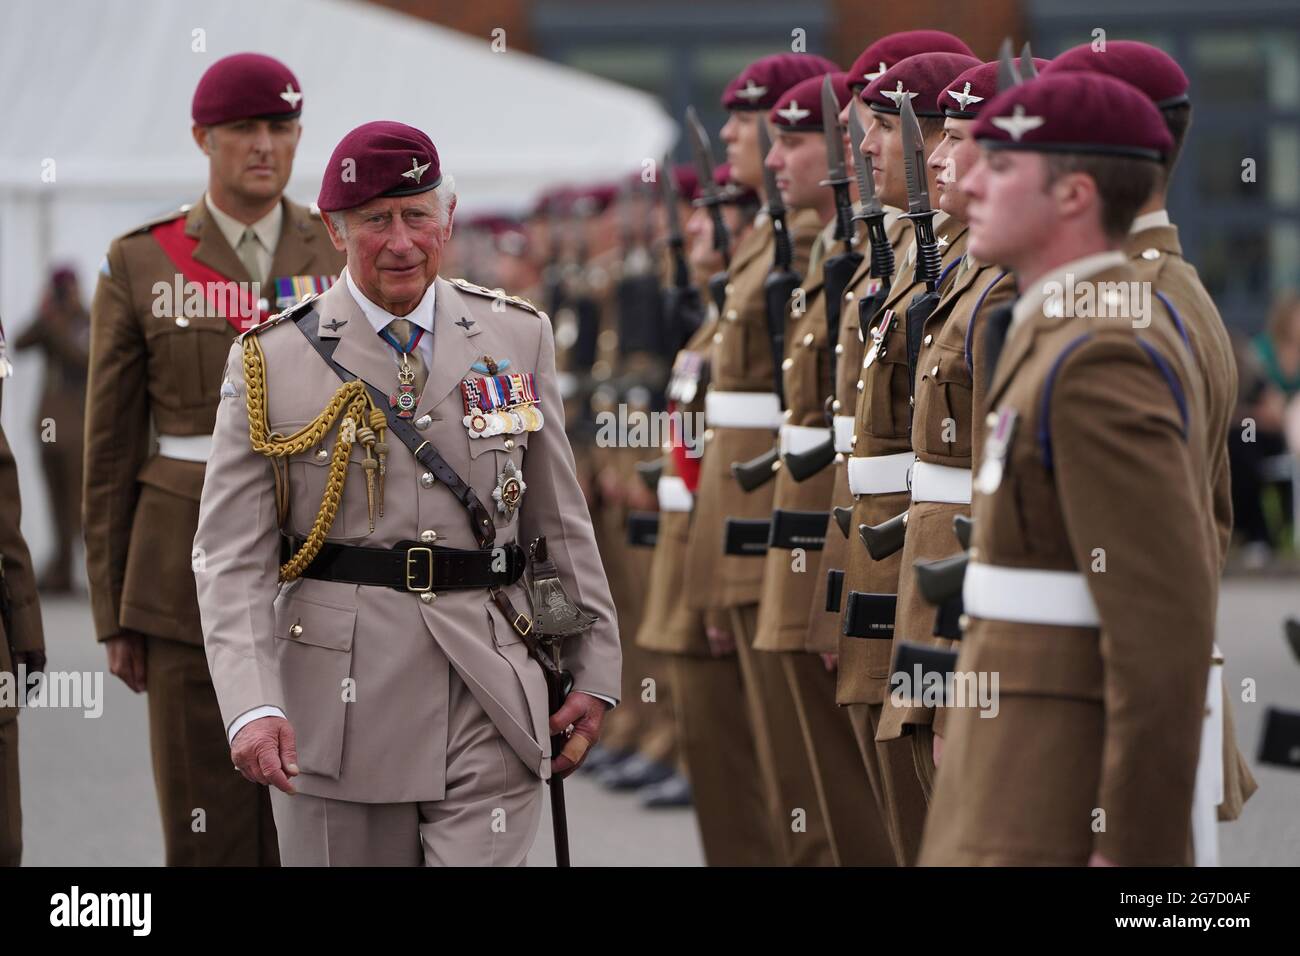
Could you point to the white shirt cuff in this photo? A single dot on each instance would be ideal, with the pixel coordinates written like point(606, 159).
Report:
point(609, 700)
point(248, 716)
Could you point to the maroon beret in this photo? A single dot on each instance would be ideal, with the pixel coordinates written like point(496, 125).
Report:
point(687, 181)
point(1073, 112)
point(799, 110)
point(553, 201)
point(921, 78)
point(963, 97)
point(760, 85)
point(888, 50)
point(243, 86)
point(383, 158)
point(1150, 69)
point(592, 200)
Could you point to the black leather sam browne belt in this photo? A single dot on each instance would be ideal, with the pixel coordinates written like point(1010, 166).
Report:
point(412, 566)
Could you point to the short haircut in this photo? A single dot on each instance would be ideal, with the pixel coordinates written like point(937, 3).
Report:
point(931, 126)
point(1124, 184)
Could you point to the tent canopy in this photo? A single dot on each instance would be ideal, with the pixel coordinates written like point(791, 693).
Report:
point(103, 87)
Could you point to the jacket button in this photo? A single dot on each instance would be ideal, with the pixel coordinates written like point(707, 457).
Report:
point(1150, 255)
point(853, 442)
point(789, 412)
point(835, 405)
point(934, 371)
point(808, 339)
point(731, 288)
point(295, 630)
point(991, 419)
point(839, 458)
point(731, 315)
point(848, 296)
point(423, 422)
point(839, 348)
point(717, 338)
point(322, 454)
point(426, 479)
point(963, 621)
point(428, 597)
point(928, 339)
point(510, 444)
point(182, 321)
point(428, 537)
point(861, 385)
point(787, 364)
point(708, 434)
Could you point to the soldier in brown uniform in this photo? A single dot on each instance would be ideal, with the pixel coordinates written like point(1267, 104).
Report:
point(22, 640)
point(171, 297)
point(742, 413)
point(881, 457)
point(945, 413)
point(864, 287)
point(61, 330)
point(717, 740)
point(799, 161)
point(1157, 255)
point(1091, 586)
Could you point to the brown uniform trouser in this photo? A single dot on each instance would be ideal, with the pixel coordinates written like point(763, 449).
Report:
point(857, 830)
point(899, 791)
point(922, 737)
point(11, 807)
point(782, 757)
point(731, 808)
point(192, 769)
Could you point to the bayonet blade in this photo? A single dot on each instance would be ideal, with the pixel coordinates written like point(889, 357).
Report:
point(702, 153)
point(1027, 69)
point(918, 187)
point(668, 193)
point(835, 171)
point(870, 205)
point(775, 207)
point(1008, 75)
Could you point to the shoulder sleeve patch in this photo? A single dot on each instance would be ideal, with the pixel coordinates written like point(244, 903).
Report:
point(496, 294)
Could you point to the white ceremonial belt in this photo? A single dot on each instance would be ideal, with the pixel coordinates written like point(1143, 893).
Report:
point(673, 494)
point(843, 433)
point(1028, 596)
point(880, 474)
point(742, 410)
point(1208, 791)
point(185, 447)
point(797, 439)
point(932, 482)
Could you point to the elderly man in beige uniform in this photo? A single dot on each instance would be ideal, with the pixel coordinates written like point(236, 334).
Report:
point(396, 447)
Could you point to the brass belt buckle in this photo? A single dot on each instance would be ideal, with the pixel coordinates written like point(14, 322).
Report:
point(410, 558)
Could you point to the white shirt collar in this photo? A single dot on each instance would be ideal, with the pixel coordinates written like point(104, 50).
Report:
point(267, 229)
point(1150, 220)
point(421, 315)
point(1031, 300)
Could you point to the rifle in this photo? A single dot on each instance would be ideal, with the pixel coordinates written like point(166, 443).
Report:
point(683, 311)
point(711, 198)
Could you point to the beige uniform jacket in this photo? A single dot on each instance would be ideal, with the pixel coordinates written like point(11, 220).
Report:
point(741, 361)
point(1094, 746)
point(389, 744)
point(881, 427)
point(153, 370)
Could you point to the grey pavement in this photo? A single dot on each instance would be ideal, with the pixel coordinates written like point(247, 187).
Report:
point(88, 797)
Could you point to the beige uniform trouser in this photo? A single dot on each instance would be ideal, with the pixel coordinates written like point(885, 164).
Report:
point(489, 816)
point(192, 768)
point(782, 755)
point(893, 772)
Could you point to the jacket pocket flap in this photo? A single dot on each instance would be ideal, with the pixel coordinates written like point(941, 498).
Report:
point(321, 625)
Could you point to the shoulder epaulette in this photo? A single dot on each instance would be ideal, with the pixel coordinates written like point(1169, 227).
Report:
point(293, 312)
point(467, 286)
point(159, 220)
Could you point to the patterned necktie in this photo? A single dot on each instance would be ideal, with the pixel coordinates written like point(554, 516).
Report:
point(401, 331)
point(247, 250)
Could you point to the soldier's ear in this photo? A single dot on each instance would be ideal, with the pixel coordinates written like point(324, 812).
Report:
point(202, 138)
point(451, 218)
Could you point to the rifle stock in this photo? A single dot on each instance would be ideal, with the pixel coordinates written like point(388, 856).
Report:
point(803, 465)
point(753, 474)
point(885, 538)
point(942, 580)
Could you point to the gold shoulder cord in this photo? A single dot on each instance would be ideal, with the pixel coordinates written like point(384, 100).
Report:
point(351, 398)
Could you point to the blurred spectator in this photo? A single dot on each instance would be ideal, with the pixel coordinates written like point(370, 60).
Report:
point(1269, 370)
point(61, 329)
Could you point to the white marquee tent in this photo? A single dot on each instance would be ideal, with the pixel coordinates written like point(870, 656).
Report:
point(95, 115)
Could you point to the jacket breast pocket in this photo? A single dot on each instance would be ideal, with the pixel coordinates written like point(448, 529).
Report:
point(947, 426)
point(313, 646)
point(309, 475)
point(191, 358)
point(888, 410)
point(490, 460)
